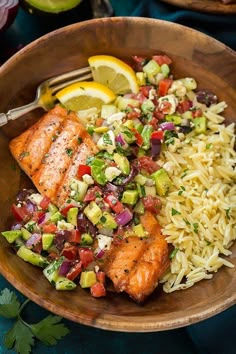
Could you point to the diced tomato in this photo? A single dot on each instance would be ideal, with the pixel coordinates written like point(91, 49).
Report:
point(184, 106)
point(139, 62)
point(152, 204)
point(92, 194)
point(158, 114)
point(75, 271)
point(65, 210)
point(139, 138)
point(36, 215)
point(145, 90)
point(49, 228)
point(158, 135)
point(75, 236)
point(20, 213)
point(147, 164)
point(114, 203)
point(162, 59)
point(44, 203)
point(86, 256)
point(98, 290)
point(153, 122)
point(197, 113)
point(165, 107)
point(99, 122)
point(118, 236)
point(101, 276)
point(164, 86)
point(70, 252)
point(133, 114)
point(83, 170)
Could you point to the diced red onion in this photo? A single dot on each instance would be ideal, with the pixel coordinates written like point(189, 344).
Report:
point(44, 218)
point(33, 240)
point(119, 139)
point(16, 226)
point(30, 206)
point(99, 253)
point(65, 267)
point(124, 217)
point(8, 11)
point(167, 126)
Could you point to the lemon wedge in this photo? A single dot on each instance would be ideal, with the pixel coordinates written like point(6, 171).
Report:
point(85, 95)
point(113, 73)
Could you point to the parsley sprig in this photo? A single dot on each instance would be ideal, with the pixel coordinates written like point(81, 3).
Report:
point(21, 336)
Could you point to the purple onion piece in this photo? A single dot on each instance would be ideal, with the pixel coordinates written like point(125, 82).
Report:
point(124, 217)
point(119, 139)
point(155, 147)
point(134, 170)
point(84, 225)
point(16, 226)
point(100, 253)
point(111, 188)
point(33, 240)
point(167, 126)
point(60, 238)
point(24, 194)
point(30, 206)
point(65, 267)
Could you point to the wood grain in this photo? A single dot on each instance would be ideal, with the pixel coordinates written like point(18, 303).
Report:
point(67, 49)
point(212, 6)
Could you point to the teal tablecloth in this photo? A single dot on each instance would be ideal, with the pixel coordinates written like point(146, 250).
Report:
point(212, 336)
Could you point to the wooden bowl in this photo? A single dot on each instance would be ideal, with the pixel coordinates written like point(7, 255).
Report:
point(194, 54)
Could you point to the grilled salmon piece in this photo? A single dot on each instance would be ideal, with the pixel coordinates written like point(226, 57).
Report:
point(50, 151)
point(135, 265)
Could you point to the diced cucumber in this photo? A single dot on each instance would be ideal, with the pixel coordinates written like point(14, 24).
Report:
point(173, 118)
point(47, 241)
point(86, 239)
point(140, 179)
point(62, 283)
point(124, 102)
point(129, 124)
point(162, 181)
point(150, 190)
point(151, 68)
point(128, 135)
point(87, 279)
point(52, 208)
point(130, 197)
point(139, 127)
point(25, 234)
point(72, 216)
point(108, 110)
point(93, 212)
point(146, 135)
point(108, 221)
point(141, 190)
point(189, 83)
point(57, 216)
point(51, 271)
point(34, 258)
point(31, 226)
point(147, 106)
point(200, 125)
point(78, 189)
point(139, 208)
point(139, 230)
point(165, 69)
point(122, 162)
point(12, 235)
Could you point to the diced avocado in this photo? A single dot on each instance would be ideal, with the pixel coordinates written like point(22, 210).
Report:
point(78, 189)
point(86, 239)
point(127, 134)
point(25, 234)
point(140, 179)
point(12, 235)
point(162, 181)
point(101, 130)
point(108, 221)
point(122, 163)
point(51, 271)
point(139, 208)
point(72, 216)
point(141, 190)
point(146, 135)
point(173, 118)
point(129, 124)
point(34, 258)
point(52, 208)
point(87, 279)
point(147, 106)
point(108, 110)
point(151, 68)
point(150, 190)
point(130, 197)
point(56, 217)
point(123, 103)
point(141, 78)
point(93, 212)
point(200, 125)
point(62, 283)
point(47, 240)
point(139, 230)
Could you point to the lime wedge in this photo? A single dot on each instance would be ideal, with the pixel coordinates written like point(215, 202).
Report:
point(53, 6)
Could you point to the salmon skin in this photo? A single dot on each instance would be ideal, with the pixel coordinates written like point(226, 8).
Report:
point(136, 264)
point(50, 152)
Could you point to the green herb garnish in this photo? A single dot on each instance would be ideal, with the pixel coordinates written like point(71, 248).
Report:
point(69, 151)
point(173, 253)
point(174, 212)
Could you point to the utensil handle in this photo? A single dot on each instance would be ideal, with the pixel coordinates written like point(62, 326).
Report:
point(15, 113)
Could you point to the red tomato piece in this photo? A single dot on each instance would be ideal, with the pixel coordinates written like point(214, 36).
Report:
point(133, 114)
point(36, 215)
point(153, 122)
point(70, 252)
point(139, 138)
point(83, 170)
point(164, 86)
point(49, 228)
point(86, 256)
point(197, 113)
point(65, 210)
point(114, 203)
point(75, 271)
point(44, 203)
point(75, 236)
point(145, 90)
point(92, 194)
point(101, 276)
point(20, 213)
point(152, 204)
point(158, 135)
point(138, 62)
point(148, 164)
point(158, 114)
point(165, 107)
point(184, 106)
point(162, 59)
point(98, 290)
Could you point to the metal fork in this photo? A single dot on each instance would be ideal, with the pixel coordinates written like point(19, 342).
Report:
point(45, 94)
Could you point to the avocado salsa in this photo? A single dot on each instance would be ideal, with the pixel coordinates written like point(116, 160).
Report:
point(117, 185)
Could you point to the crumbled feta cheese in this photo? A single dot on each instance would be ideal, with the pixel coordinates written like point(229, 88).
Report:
point(152, 94)
point(104, 242)
point(178, 88)
point(88, 179)
point(107, 142)
point(63, 225)
point(172, 100)
point(35, 198)
point(111, 173)
point(115, 117)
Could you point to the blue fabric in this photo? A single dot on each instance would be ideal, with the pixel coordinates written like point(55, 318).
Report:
point(212, 336)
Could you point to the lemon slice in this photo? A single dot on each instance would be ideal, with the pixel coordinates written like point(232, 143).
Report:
point(85, 95)
point(113, 73)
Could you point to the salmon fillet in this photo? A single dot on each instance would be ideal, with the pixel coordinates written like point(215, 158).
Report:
point(50, 152)
point(135, 265)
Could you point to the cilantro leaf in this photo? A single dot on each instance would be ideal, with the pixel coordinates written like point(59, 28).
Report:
point(21, 337)
point(9, 304)
point(49, 330)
